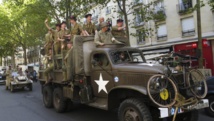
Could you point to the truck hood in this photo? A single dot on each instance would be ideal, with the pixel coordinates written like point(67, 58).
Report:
point(140, 67)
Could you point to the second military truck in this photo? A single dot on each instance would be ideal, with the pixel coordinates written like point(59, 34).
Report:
point(113, 77)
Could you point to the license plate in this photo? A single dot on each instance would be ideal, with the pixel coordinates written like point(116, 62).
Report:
point(166, 112)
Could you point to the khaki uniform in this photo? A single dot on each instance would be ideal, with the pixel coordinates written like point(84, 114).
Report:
point(61, 34)
point(68, 61)
point(76, 30)
point(117, 33)
point(57, 44)
point(49, 68)
point(8, 78)
point(48, 42)
point(104, 37)
point(90, 28)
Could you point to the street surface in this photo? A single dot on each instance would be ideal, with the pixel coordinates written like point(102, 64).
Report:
point(28, 106)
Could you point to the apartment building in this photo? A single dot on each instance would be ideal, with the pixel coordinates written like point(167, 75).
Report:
point(174, 29)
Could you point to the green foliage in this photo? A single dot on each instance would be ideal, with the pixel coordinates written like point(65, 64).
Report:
point(211, 3)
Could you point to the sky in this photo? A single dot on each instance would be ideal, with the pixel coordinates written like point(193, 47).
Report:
point(0, 1)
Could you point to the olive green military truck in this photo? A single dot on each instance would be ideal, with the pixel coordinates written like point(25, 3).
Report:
point(117, 77)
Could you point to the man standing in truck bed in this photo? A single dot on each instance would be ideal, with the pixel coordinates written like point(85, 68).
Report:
point(57, 46)
point(76, 28)
point(48, 41)
point(118, 30)
point(89, 27)
point(104, 36)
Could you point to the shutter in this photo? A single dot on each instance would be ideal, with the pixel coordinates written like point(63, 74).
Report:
point(162, 30)
point(187, 24)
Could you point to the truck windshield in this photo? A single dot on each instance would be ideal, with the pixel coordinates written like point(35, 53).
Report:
point(126, 56)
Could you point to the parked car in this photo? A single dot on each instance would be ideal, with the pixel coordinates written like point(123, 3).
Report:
point(2, 77)
point(20, 81)
point(210, 96)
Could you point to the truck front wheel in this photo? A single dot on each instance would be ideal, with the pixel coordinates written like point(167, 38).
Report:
point(59, 101)
point(133, 110)
point(47, 96)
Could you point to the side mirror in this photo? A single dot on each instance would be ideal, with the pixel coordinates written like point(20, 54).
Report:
point(94, 62)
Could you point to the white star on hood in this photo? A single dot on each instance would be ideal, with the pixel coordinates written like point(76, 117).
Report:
point(101, 84)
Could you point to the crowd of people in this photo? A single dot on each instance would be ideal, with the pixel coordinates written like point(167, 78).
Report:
point(59, 40)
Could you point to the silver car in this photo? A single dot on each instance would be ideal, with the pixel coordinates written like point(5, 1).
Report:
point(20, 81)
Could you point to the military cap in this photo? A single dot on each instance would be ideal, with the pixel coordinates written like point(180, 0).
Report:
point(119, 20)
point(73, 18)
point(87, 15)
point(104, 24)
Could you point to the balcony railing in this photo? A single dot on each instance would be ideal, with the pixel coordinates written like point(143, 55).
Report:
point(162, 37)
point(184, 7)
point(188, 32)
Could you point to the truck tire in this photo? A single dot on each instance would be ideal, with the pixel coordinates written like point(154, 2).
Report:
point(47, 94)
point(210, 109)
point(58, 100)
point(189, 116)
point(133, 110)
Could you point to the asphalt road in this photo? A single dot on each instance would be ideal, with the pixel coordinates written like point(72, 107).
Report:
point(28, 106)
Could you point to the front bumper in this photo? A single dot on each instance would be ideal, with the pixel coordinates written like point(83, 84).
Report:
point(167, 112)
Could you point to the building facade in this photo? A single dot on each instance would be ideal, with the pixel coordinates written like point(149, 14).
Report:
point(175, 26)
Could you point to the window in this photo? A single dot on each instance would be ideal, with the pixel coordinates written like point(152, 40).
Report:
point(139, 18)
point(188, 28)
point(126, 56)
point(100, 59)
point(140, 37)
point(159, 6)
point(108, 10)
point(162, 32)
point(95, 16)
point(184, 6)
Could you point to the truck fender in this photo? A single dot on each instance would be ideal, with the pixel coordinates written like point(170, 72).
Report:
point(119, 93)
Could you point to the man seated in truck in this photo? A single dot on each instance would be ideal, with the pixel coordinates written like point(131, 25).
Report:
point(104, 36)
point(123, 57)
point(49, 68)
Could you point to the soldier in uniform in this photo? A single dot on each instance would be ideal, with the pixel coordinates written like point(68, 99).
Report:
point(57, 46)
point(89, 27)
point(8, 77)
point(104, 36)
point(101, 20)
point(50, 66)
point(67, 61)
point(118, 30)
point(76, 28)
point(48, 41)
point(61, 35)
